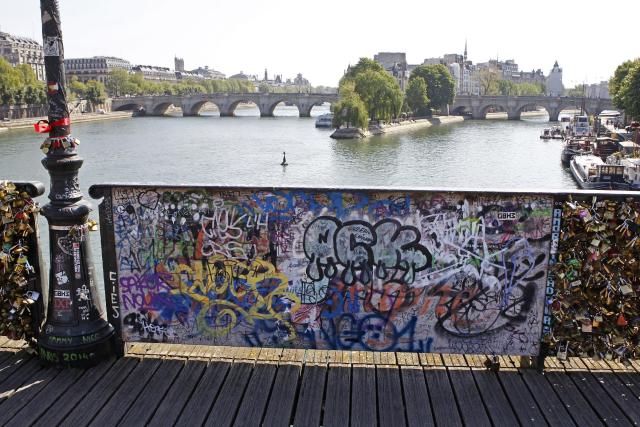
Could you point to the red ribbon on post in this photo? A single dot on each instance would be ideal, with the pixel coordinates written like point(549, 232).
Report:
point(43, 126)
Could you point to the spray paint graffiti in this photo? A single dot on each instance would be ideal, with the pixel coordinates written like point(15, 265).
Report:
point(365, 270)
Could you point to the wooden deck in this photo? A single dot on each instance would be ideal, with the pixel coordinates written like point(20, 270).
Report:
point(192, 385)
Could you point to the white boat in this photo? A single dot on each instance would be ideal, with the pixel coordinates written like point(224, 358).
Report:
point(546, 134)
point(580, 126)
point(325, 121)
point(591, 173)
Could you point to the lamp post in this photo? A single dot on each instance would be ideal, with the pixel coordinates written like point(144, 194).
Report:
point(75, 332)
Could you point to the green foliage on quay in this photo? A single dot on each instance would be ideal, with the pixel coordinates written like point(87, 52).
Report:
point(349, 110)
point(624, 88)
point(417, 99)
point(441, 88)
point(367, 90)
point(20, 85)
point(491, 84)
point(121, 82)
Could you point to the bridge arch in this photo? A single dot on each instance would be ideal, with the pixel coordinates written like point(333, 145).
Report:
point(161, 109)
point(194, 109)
point(134, 106)
point(534, 106)
point(493, 108)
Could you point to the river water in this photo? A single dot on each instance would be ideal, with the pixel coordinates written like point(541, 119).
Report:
point(247, 150)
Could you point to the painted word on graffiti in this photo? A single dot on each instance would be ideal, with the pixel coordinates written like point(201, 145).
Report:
point(357, 270)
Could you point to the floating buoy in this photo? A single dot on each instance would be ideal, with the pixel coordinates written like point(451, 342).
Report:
point(284, 159)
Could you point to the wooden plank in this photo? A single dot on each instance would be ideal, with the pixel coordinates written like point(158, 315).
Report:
point(255, 399)
point(226, 405)
point(390, 404)
point(336, 405)
point(631, 380)
point(171, 406)
point(66, 401)
point(363, 396)
point(416, 397)
point(283, 396)
point(92, 400)
point(443, 401)
point(523, 403)
point(148, 399)
point(309, 406)
point(49, 394)
point(204, 395)
point(13, 364)
point(19, 377)
point(598, 398)
point(469, 401)
point(493, 396)
point(620, 393)
point(115, 409)
point(570, 396)
point(552, 408)
point(25, 393)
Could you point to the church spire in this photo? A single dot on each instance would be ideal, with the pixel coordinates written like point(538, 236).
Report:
point(465, 50)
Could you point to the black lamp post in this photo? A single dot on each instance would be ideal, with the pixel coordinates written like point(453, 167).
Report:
point(75, 333)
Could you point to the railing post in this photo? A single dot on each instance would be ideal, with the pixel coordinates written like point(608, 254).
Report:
point(75, 333)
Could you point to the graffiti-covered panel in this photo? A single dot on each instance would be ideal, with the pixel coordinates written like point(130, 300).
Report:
point(344, 270)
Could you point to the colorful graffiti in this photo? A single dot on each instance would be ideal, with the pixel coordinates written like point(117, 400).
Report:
point(357, 270)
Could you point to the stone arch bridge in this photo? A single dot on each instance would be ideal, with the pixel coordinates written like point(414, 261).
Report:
point(479, 106)
point(226, 102)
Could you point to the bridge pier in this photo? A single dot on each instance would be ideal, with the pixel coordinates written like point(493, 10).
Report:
point(305, 109)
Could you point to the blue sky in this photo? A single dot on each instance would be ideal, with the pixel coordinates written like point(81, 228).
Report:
point(588, 38)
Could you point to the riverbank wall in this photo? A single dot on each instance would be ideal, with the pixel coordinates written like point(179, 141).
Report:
point(75, 118)
point(405, 126)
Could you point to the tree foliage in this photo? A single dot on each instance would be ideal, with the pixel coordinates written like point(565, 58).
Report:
point(417, 98)
point(628, 93)
point(349, 110)
point(121, 83)
point(510, 88)
point(20, 85)
point(488, 80)
point(617, 81)
point(441, 88)
point(379, 92)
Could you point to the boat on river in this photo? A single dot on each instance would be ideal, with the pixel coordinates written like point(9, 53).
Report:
point(631, 169)
point(557, 133)
point(574, 147)
point(325, 121)
point(546, 134)
point(591, 173)
point(580, 126)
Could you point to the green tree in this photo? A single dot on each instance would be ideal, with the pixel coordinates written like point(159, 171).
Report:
point(380, 93)
point(615, 82)
point(417, 98)
point(349, 110)
point(628, 93)
point(364, 64)
point(577, 91)
point(488, 80)
point(441, 88)
point(76, 88)
point(507, 88)
point(117, 83)
point(95, 92)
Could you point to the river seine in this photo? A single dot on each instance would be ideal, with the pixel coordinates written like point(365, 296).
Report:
point(247, 150)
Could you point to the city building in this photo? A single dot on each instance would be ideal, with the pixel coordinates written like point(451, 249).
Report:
point(153, 73)
point(208, 73)
point(21, 50)
point(395, 63)
point(178, 64)
point(95, 68)
point(554, 86)
point(598, 90)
